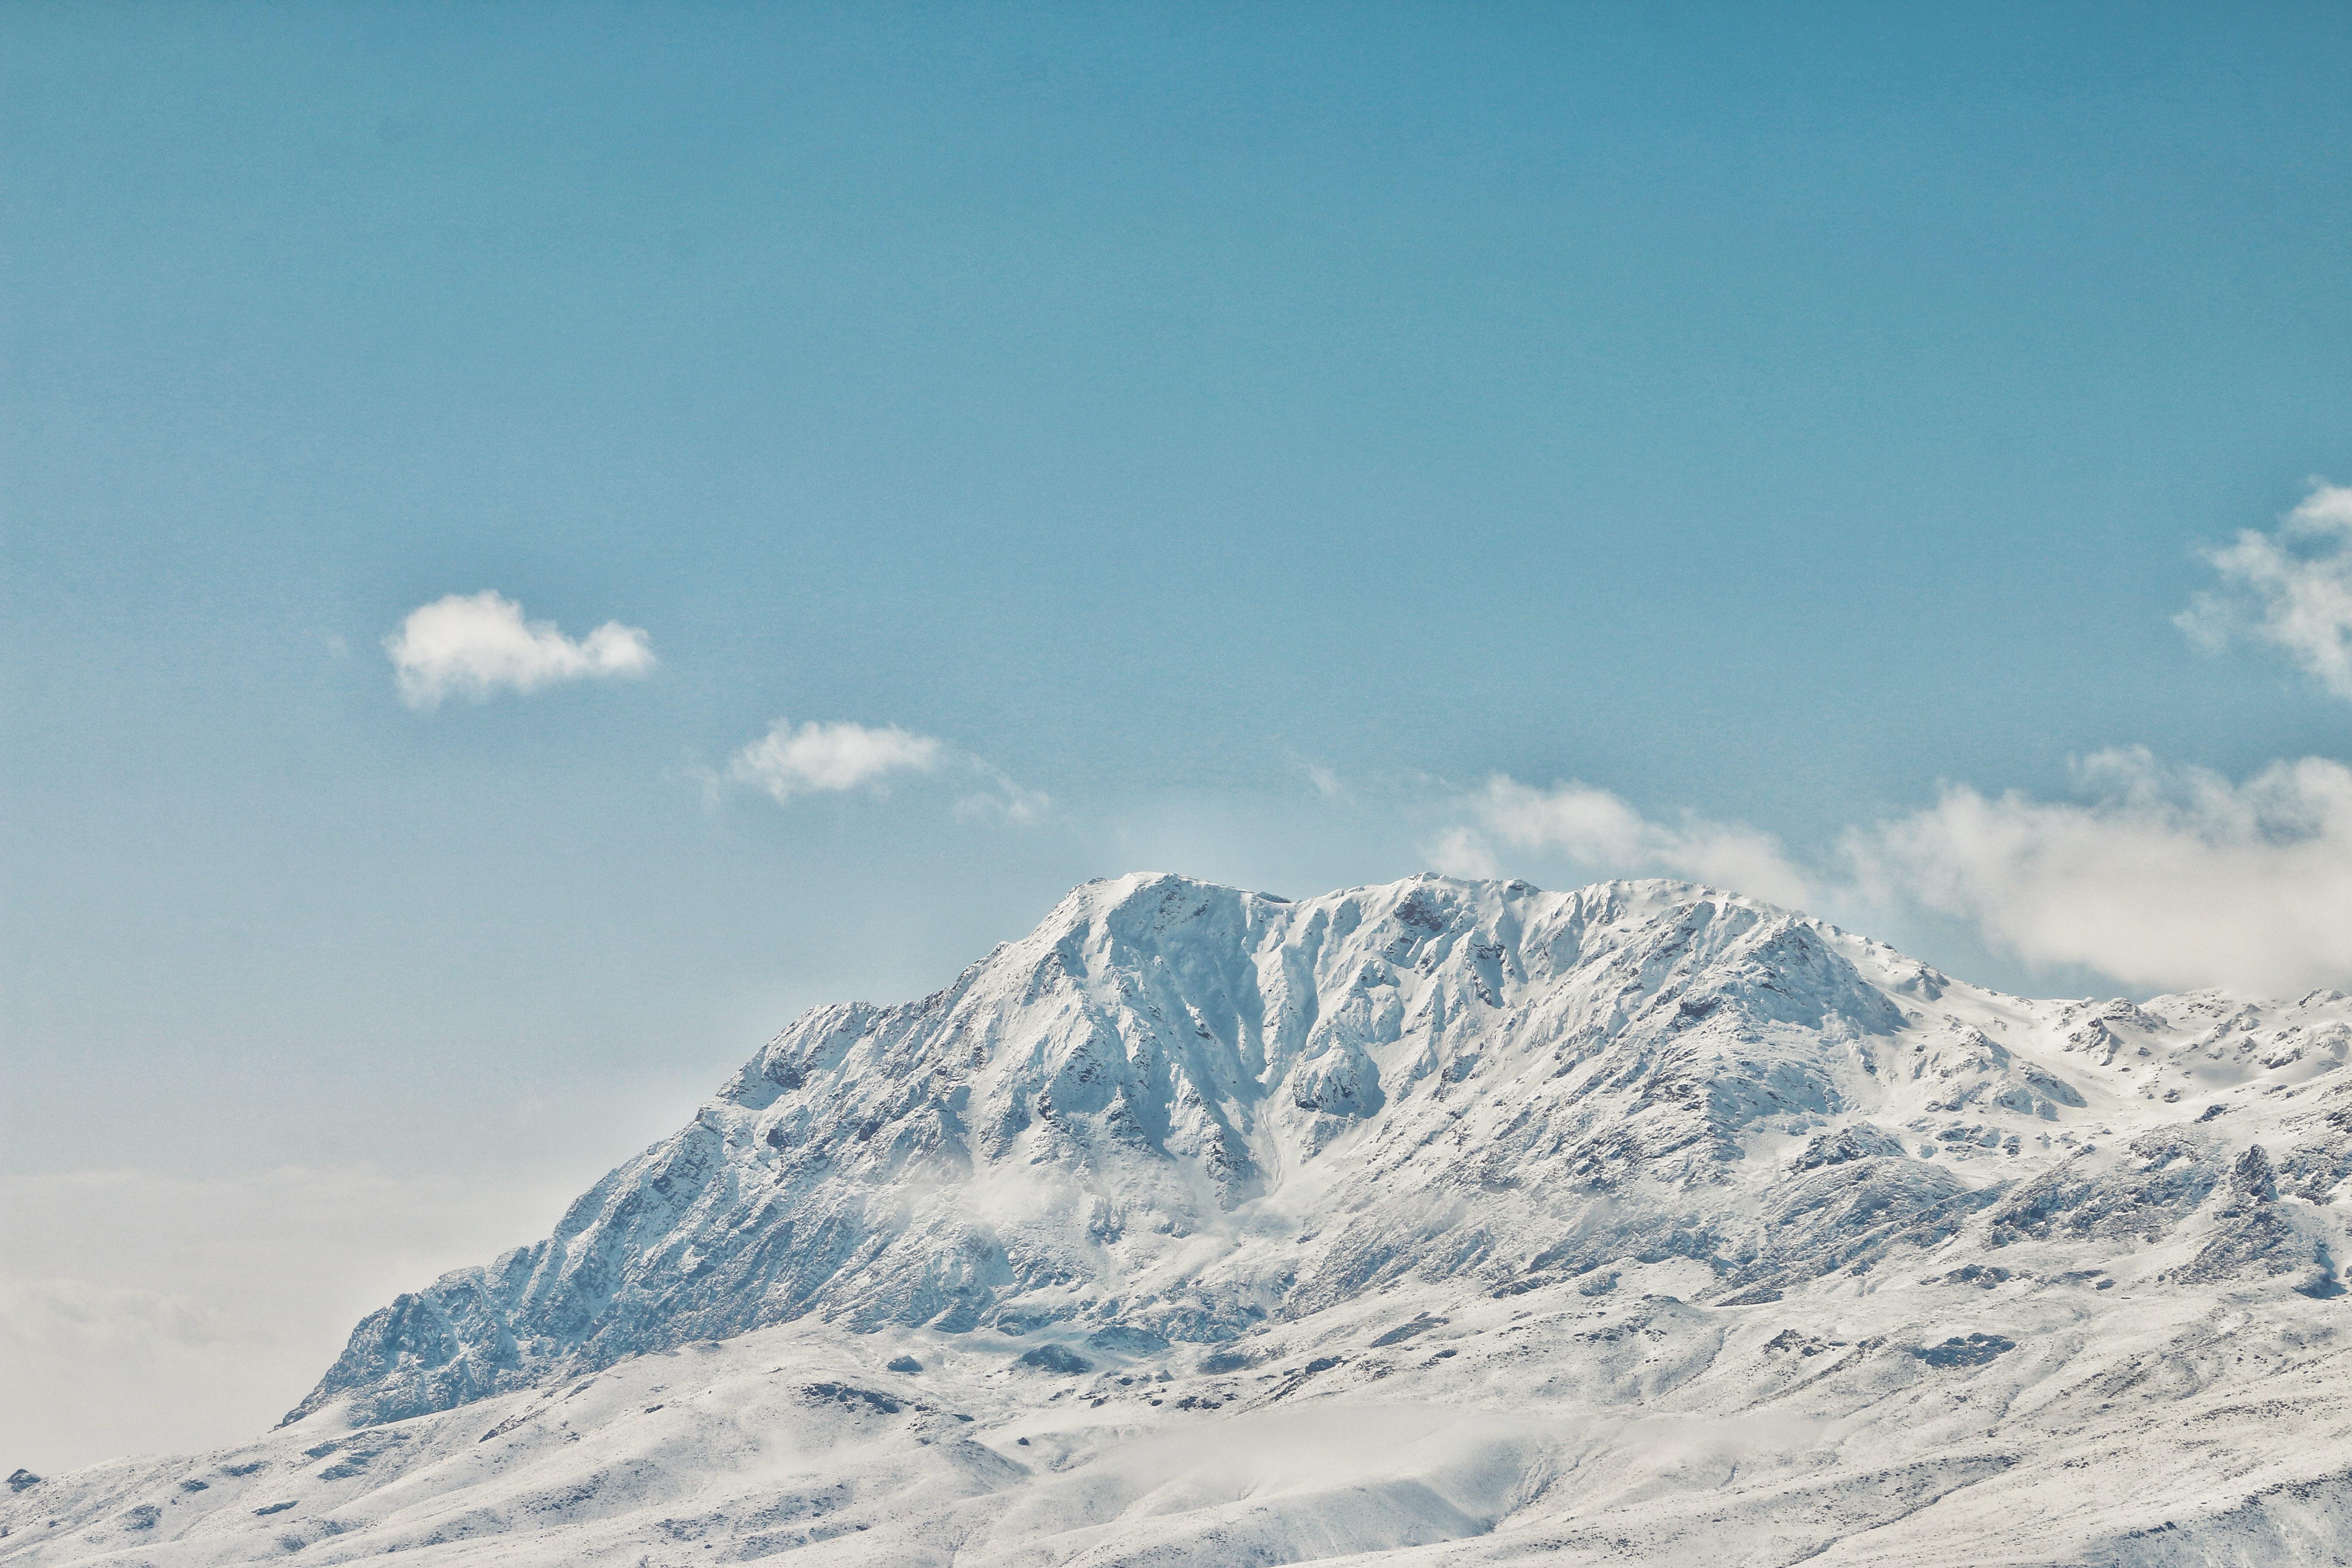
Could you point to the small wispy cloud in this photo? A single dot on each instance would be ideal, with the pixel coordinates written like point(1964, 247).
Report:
point(472, 644)
point(2291, 588)
point(999, 798)
point(816, 758)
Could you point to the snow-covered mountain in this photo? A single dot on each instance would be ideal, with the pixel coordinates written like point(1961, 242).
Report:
point(1441, 1222)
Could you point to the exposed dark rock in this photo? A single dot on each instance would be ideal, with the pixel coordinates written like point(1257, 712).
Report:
point(844, 1394)
point(1973, 1350)
point(1056, 1359)
point(1859, 1142)
point(1404, 1331)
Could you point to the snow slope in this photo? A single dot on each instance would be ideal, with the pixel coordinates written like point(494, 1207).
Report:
point(1443, 1221)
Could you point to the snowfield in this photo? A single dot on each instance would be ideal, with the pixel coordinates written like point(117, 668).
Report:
point(1441, 1223)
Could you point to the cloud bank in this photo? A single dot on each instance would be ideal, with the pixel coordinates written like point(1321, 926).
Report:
point(2166, 876)
point(475, 645)
point(2291, 589)
point(2163, 877)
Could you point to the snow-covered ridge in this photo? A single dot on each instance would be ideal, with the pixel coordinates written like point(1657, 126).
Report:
point(1179, 1111)
point(1643, 1221)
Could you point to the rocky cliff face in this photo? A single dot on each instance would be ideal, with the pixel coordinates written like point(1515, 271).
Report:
point(1177, 1112)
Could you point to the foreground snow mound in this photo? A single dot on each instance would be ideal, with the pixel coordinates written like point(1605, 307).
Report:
point(1443, 1221)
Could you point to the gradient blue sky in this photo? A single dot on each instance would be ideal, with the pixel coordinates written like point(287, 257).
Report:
point(1768, 413)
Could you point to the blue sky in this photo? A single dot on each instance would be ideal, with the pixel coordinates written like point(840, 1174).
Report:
point(1231, 438)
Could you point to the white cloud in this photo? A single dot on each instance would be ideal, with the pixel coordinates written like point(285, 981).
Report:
point(2167, 878)
point(473, 645)
point(818, 757)
point(1603, 833)
point(2299, 583)
point(822, 758)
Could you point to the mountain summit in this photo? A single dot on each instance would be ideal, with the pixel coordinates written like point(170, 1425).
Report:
point(1542, 1217)
point(1175, 1112)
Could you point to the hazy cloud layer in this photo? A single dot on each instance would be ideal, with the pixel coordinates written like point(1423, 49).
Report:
point(816, 758)
point(2291, 589)
point(88, 1371)
point(144, 1312)
point(475, 645)
point(2162, 878)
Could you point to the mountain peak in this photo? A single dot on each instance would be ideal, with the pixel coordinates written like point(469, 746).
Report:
point(1117, 1122)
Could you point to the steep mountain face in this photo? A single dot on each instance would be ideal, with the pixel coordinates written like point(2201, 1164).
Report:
point(1441, 1222)
point(1177, 1112)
